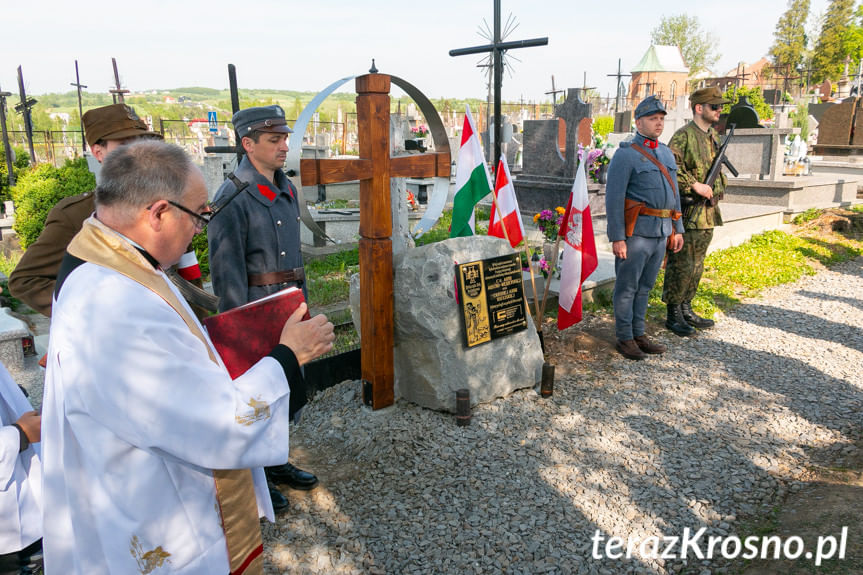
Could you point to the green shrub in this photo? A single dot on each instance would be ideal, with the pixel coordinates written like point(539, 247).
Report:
point(21, 163)
point(603, 125)
point(38, 190)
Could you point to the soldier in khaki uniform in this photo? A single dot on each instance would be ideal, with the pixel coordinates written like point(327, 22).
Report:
point(107, 128)
point(694, 147)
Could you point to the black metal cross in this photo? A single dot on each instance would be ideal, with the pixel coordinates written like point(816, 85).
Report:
point(10, 169)
point(786, 75)
point(553, 92)
point(118, 91)
point(77, 83)
point(618, 76)
point(24, 109)
point(497, 47)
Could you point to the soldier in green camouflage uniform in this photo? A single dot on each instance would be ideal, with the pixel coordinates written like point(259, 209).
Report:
point(694, 147)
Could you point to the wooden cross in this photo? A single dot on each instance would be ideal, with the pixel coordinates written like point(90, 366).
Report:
point(497, 48)
point(618, 76)
point(77, 83)
point(373, 169)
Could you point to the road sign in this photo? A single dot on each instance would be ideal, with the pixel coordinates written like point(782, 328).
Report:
point(213, 122)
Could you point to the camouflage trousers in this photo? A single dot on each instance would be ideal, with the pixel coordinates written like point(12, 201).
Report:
point(683, 270)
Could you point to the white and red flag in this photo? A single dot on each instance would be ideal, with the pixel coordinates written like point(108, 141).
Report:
point(507, 206)
point(579, 252)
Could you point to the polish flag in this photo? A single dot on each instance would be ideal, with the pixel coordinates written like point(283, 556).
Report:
point(507, 204)
point(579, 252)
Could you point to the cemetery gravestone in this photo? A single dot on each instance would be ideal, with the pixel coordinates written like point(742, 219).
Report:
point(834, 128)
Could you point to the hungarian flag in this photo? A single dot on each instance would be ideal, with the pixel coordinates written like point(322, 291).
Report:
point(507, 205)
point(579, 252)
point(472, 182)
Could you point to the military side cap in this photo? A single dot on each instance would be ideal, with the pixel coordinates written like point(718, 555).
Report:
point(711, 95)
point(114, 122)
point(649, 106)
point(260, 119)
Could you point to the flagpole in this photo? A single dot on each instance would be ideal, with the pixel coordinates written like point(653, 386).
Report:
point(550, 273)
point(496, 209)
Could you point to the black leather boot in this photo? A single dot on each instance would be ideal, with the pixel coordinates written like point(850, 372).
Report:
point(693, 319)
point(676, 323)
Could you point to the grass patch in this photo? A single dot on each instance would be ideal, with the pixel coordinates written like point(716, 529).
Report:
point(806, 216)
point(766, 260)
point(439, 232)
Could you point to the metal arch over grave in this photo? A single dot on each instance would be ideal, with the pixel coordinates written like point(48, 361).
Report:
point(373, 169)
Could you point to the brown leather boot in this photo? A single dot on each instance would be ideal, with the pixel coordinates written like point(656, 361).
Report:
point(647, 346)
point(629, 349)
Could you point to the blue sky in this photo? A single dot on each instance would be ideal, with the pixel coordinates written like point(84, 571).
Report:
point(307, 45)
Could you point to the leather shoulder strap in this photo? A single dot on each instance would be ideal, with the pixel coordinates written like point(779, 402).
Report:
point(659, 165)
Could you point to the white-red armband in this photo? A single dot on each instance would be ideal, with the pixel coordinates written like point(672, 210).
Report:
point(188, 267)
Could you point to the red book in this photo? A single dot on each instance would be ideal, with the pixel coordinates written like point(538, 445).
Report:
point(245, 334)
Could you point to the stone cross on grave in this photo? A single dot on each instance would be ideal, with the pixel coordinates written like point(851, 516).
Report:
point(573, 111)
point(373, 169)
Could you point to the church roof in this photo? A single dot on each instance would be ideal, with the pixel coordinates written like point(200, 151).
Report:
point(661, 59)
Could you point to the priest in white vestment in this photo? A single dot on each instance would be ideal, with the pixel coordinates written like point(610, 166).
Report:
point(147, 442)
point(20, 476)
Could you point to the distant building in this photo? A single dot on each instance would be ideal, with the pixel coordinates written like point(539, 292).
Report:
point(661, 71)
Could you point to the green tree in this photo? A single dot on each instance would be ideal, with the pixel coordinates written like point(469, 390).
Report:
point(830, 51)
point(789, 44)
point(852, 41)
point(756, 98)
point(696, 45)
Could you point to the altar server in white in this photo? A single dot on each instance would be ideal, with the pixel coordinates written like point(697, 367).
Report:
point(20, 476)
point(152, 454)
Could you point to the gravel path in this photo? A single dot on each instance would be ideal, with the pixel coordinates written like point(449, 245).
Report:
point(721, 427)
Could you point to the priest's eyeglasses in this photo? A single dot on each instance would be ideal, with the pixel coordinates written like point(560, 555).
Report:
point(201, 219)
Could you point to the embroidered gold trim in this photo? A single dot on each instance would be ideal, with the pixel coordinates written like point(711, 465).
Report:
point(261, 412)
point(147, 560)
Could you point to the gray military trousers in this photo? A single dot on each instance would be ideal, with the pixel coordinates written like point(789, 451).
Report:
point(634, 279)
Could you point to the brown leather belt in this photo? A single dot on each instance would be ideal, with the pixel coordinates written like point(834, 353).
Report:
point(673, 214)
point(297, 275)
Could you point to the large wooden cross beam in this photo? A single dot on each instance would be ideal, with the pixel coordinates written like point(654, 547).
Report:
point(373, 169)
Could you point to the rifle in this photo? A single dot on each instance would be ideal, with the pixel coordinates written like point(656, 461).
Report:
point(720, 159)
point(715, 170)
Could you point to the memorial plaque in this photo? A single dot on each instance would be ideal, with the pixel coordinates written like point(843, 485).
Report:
point(492, 298)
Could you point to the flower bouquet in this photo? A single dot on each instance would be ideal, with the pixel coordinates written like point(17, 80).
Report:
point(420, 131)
point(549, 222)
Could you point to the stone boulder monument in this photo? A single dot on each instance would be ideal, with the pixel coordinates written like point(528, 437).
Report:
point(431, 360)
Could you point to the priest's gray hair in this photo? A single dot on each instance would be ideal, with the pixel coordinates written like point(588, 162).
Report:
point(136, 175)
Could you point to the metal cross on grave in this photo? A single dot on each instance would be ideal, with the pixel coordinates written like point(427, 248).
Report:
point(78, 85)
point(498, 47)
point(24, 109)
point(373, 169)
point(618, 76)
point(118, 91)
point(10, 168)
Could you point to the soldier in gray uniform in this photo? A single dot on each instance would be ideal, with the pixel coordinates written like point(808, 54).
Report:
point(255, 242)
point(643, 209)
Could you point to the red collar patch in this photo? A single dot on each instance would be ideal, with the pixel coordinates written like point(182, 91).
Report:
point(652, 144)
point(267, 192)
